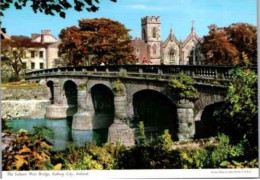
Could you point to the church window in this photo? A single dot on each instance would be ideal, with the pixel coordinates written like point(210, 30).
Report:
point(154, 32)
point(154, 48)
point(137, 51)
point(172, 55)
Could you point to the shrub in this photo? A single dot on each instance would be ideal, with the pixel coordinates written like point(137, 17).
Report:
point(141, 138)
point(85, 157)
point(117, 88)
point(26, 151)
point(182, 87)
point(165, 140)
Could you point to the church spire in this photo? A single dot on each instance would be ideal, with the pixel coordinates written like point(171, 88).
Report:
point(171, 33)
point(192, 26)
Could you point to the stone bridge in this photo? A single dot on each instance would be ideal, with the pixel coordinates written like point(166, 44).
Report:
point(116, 97)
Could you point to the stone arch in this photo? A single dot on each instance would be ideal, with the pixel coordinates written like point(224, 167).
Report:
point(70, 97)
point(158, 113)
point(92, 83)
point(103, 104)
point(205, 99)
point(205, 121)
point(50, 85)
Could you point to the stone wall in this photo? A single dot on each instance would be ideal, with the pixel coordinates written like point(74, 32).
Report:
point(24, 102)
point(25, 93)
point(24, 108)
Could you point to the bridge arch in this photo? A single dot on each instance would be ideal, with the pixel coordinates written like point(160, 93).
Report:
point(156, 110)
point(103, 105)
point(205, 121)
point(50, 85)
point(70, 97)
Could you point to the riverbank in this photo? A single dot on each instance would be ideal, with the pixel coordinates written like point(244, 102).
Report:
point(24, 100)
point(24, 108)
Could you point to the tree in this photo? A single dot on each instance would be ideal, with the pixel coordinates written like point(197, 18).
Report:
point(244, 37)
point(13, 52)
point(50, 7)
point(96, 41)
point(217, 49)
point(230, 45)
point(238, 116)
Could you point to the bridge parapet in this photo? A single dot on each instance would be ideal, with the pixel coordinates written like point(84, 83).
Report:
point(202, 74)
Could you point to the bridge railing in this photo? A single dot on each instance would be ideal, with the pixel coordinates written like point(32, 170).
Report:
point(158, 71)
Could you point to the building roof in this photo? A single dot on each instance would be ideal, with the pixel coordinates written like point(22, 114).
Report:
point(171, 37)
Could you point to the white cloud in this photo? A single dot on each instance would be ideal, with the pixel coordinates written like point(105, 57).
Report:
point(147, 8)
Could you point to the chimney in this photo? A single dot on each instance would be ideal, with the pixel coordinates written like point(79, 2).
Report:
point(34, 35)
point(46, 32)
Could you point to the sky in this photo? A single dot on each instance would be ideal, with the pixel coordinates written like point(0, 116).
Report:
point(177, 14)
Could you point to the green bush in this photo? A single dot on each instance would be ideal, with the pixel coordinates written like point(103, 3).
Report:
point(239, 115)
point(182, 87)
point(85, 157)
point(165, 140)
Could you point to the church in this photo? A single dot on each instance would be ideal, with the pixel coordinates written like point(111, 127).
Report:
point(150, 49)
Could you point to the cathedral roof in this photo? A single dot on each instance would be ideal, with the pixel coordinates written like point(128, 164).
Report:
point(191, 36)
point(171, 38)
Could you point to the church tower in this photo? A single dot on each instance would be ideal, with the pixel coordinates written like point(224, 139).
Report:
point(151, 34)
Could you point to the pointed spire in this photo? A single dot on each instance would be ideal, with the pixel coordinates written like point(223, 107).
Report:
point(192, 26)
point(171, 33)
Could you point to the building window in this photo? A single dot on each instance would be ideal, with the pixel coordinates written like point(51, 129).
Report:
point(137, 51)
point(41, 54)
point(154, 32)
point(172, 59)
point(24, 65)
point(32, 65)
point(41, 65)
point(32, 54)
point(154, 49)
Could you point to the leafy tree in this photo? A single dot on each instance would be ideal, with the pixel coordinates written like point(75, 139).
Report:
point(229, 45)
point(13, 52)
point(96, 41)
point(217, 49)
point(238, 117)
point(244, 37)
point(50, 7)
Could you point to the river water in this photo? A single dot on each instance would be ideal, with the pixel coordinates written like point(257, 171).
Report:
point(62, 135)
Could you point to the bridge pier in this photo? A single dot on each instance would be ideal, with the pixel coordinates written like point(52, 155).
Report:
point(185, 120)
point(83, 119)
point(58, 110)
point(120, 131)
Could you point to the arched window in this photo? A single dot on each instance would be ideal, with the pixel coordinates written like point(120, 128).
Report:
point(171, 54)
point(154, 32)
point(144, 35)
point(154, 49)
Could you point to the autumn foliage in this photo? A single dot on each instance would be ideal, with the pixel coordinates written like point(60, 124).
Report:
point(235, 44)
point(96, 41)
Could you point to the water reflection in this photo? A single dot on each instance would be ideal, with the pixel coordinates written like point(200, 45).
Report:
point(62, 135)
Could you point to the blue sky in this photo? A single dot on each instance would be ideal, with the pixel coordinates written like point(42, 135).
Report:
point(175, 13)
